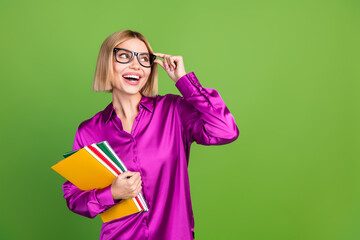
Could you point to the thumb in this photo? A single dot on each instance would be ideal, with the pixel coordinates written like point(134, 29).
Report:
point(158, 61)
point(128, 174)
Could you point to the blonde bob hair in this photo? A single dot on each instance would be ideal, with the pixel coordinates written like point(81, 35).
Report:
point(104, 73)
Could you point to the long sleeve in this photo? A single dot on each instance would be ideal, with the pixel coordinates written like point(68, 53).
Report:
point(204, 115)
point(86, 203)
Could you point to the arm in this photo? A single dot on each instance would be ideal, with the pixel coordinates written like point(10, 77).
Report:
point(86, 203)
point(204, 115)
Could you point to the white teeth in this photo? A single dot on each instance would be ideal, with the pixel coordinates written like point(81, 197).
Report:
point(131, 76)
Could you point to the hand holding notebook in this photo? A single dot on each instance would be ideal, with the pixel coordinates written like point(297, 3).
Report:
point(95, 167)
point(126, 185)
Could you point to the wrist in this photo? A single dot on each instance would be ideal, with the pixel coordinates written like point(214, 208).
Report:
point(180, 76)
point(115, 198)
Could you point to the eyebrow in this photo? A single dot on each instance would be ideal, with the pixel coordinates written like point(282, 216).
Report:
point(134, 51)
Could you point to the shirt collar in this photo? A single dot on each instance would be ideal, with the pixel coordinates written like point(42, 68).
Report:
point(146, 102)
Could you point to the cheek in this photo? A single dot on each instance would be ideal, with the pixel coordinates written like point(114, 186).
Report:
point(116, 74)
point(147, 72)
point(118, 68)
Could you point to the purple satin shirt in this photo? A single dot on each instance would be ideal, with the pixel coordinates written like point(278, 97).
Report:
point(158, 147)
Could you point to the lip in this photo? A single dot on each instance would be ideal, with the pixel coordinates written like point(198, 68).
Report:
point(134, 83)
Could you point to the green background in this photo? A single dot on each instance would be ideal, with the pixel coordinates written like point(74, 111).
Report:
point(287, 70)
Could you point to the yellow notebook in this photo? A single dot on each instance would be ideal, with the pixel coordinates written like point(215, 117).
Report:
point(87, 171)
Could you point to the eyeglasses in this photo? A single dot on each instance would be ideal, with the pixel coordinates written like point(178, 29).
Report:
point(123, 55)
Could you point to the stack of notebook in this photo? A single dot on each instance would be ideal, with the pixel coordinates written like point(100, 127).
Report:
point(95, 167)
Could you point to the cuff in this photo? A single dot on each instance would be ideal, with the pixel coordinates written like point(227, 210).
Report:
point(188, 84)
point(104, 196)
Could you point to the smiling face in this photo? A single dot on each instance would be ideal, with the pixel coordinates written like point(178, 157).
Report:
point(124, 71)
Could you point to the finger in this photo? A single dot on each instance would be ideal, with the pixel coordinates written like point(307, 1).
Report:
point(127, 174)
point(135, 189)
point(139, 184)
point(168, 62)
point(166, 65)
point(161, 63)
point(162, 55)
point(136, 177)
point(138, 190)
point(130, 175)
point(173, 63)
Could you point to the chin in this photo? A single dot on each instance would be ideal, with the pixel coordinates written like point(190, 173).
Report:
point(131, 91)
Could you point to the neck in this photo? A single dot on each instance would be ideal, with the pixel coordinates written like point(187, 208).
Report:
point(126, 105)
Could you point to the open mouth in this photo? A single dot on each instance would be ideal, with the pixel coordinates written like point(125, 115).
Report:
point(132, 78)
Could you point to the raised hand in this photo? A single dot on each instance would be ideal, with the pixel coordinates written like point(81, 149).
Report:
point(173, 65)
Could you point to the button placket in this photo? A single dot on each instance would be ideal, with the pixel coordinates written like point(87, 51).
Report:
point(136, 122)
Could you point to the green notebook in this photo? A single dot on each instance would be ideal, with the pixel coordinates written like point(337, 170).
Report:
point(104, 146)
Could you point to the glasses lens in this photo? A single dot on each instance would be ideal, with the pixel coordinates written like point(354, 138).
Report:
point(145, 59)
point(123, 56)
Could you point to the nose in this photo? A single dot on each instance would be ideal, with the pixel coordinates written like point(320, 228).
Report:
point(135, 63)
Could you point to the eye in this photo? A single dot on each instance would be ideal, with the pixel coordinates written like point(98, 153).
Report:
point(124, 55)
point(144, 58)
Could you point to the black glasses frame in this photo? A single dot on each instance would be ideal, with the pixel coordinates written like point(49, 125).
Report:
point(152, 57)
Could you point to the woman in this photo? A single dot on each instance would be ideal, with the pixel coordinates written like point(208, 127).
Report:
point(152, 135)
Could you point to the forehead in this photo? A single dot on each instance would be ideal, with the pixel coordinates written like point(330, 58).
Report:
point(133, 44)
